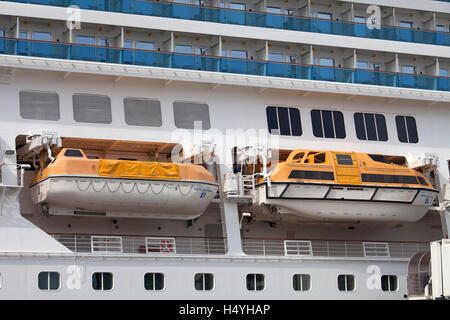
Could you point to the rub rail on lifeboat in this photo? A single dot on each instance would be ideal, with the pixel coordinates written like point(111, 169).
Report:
point(346, 186)
point(73, 184)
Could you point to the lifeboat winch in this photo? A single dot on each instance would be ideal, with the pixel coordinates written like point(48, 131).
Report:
point(74, 185)
point(344, 186)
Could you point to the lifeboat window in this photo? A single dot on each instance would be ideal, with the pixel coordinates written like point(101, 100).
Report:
point(346, 282)
point(91, 108)
point(328, 124)
point(320, 158)
point(204, 281)
point(73, 153)
point(49, 281)
point(102, 281)
point(370, 126)
point(389, 283)
point(344, 159)
point(284, 121)
point(422, 181)
point(255, 282)
point(406, 129)
point(311, 175)
point(154, 281)
point(187, 114)
point(38, 105)
point(142, 112)
point(302, 282)
point(378, 158)
point(298, 157)
point(386, 178)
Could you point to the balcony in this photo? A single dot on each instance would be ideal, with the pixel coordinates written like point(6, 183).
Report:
point(70, 51)
point(252, 18)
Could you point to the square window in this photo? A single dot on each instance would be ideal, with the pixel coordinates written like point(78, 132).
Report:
point(346, 282)
point(49, 281)
point(255, 282)
point(204, 281)
point(154, 281)
point(102, 281)
point(302, 282)
point(389, 283)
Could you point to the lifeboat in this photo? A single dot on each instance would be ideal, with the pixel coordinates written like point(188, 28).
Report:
point(74, 185)
point(345, 186)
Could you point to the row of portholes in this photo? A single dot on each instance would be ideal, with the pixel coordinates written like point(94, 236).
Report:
point(104, 281)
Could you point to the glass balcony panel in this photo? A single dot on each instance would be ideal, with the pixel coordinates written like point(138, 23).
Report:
point(276, 70)
point(326, 74)
point(274, 21)
point(405, 35)
point(236, 17)
point(183, 61)
point(443, 84)
point(127, 56)
point(407, 80)
point(84, 53)
point(181, 11)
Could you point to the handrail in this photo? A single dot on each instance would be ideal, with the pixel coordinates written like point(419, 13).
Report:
point(106, 5)
point(200, 6)
point(220, 57)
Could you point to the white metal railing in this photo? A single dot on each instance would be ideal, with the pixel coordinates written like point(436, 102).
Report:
point(376, 249)
point(142, 244)
point(297, 248)
point(330, 248)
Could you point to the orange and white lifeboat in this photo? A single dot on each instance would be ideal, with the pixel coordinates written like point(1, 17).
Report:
point(74, 185)
point(346, 186)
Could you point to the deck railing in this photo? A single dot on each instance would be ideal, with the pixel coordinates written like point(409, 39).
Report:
point(253, 18)
point(149, 245)
point(192, 245)
point(71, 51)
point(333, 248)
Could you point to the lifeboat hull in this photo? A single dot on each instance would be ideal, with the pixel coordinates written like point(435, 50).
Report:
point(347, 203)
point(101, 196)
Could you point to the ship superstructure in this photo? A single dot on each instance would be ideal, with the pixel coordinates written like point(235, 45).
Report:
point(197, 149)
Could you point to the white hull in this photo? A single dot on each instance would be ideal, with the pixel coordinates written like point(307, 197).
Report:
point(70, 195)
point(336, 203)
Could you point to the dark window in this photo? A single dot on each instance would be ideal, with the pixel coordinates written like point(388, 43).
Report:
point(406, 129)
point(255, 282)
point(344, 159)
point(73, 153)
point(284, 121)
point(302, 282)
point(154, 281)
point(204, 281)
point(313, 175)
point(102, 281)
point(378, 158)
point(370, 126)
point(386, 178)
point(389, 283)
point(328, 124)
point(346, 282)
point(422, 181)
point(48, 280)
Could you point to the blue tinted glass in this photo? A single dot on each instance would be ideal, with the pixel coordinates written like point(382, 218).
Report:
point(86, 40)
point(42, 36)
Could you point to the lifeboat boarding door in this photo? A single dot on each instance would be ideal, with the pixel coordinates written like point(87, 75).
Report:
point(347, 171)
